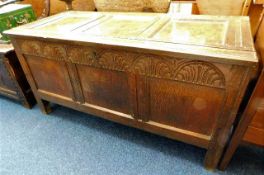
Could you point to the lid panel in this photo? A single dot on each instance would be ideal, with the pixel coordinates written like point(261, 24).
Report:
point(66, 24)
point(123, 26)
point(195, 32)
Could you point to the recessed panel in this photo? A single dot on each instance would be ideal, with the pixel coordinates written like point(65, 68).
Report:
point(50, 75)
point(196, 32)
point(185, 106)
point(104, 88)
point(125, 26)
point(67, 24)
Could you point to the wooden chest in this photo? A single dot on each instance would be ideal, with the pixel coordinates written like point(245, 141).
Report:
point(13, 15)
point(13, 83)
point(180, 77)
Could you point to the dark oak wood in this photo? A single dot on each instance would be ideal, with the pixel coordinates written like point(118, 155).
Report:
point(251, 125)
point(13, 83)
point(138, 70)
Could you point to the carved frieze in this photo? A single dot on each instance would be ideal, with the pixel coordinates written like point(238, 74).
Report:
point(200, 72)
point(31, 47)
point(82, 55)
point(55, 51)
point(115, 60)
point(47, 50)
point(164, 67)
point(141, 65)
point(196, 72)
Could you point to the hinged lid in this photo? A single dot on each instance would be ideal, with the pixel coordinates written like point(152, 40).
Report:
point(192, 34)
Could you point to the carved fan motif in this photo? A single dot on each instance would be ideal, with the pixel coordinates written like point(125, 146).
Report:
point(163, 67)
point(116, 60)
point(199, 72)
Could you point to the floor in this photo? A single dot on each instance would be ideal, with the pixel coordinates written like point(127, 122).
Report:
point(71, 143)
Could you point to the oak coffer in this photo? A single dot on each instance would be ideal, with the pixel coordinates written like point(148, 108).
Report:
point(13, 83)
point(180, 77)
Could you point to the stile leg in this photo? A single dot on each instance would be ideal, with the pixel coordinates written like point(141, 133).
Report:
point(215, 150)
point(212, 159)
point(26, 104)
point(44, 106)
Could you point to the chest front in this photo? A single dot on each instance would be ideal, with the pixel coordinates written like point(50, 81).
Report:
point(180, 78)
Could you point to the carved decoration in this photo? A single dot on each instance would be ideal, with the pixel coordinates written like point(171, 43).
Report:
point(80, 55)
point(50, 51)
point(163, 67)
point(141, 65)
point(196, 72)
point(200, 72)
point(57, 52)
point(114, 60)
point(31, 47)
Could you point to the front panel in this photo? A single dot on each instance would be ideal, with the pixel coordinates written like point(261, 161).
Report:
point(50, 76)
point(105, 88)
point(180, 95)
point(185, 106)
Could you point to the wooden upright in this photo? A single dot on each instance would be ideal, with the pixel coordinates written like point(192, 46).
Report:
point(251, 125)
